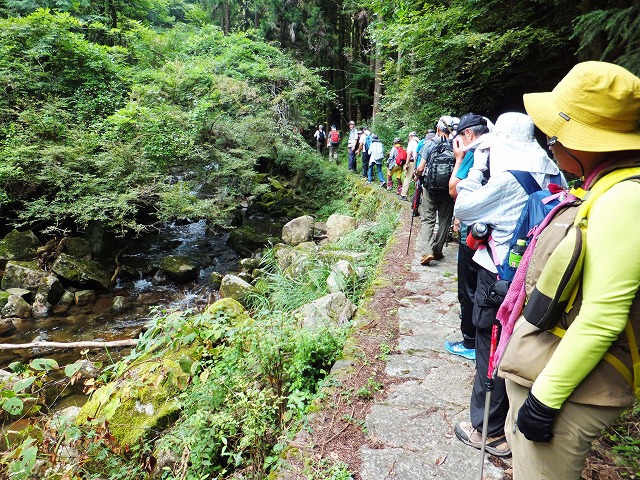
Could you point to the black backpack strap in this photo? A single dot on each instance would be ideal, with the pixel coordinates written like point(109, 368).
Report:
point(526, 180)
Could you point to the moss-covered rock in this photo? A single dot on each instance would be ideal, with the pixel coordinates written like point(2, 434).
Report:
point(246, 240)
point(4, 298)
point(179, 268)
point(233, 286)
point(23, 275)
point(78, 247)
point(18, 246)
point(81, 272)
point(142, 400)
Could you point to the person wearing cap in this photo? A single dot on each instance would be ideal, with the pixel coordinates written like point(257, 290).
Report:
point(431, 134)
point(471, 131)
point(393, 169)
point(410, 165)
point(333, 139)
point(376, 154)
point(566, 384)
point(320, 137)
point(352, 142)
point(497, 203)
point(362, 150)
point(432, 205)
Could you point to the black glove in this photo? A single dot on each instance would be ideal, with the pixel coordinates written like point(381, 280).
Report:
point(535, 420)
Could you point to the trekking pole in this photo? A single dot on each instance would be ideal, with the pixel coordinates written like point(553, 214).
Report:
point(414, 206)
point(488, 388)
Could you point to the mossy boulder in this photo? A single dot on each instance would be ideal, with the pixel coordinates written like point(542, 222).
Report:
point(245, 240)
point(26, 275)
point(78, 247)
point(18, 246)
point(4, 298)
point(144, 398)
point(179, 268)
point(81, 272)
point(234, 287)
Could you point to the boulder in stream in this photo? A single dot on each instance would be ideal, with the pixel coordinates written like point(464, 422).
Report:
point(18, 246)
point(16, 307)
point(179, 268)
point(82, 272)
point(26, 275)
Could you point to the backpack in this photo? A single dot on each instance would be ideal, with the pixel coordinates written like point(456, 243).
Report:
point(439, 167)
point(401, 156)
point(321, 136)
point(540, 203)
point(335, 136)
point(367, 143)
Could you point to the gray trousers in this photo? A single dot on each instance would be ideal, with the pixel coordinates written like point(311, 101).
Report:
point(432, 205)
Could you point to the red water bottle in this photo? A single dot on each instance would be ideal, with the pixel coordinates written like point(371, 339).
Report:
point(478, 234)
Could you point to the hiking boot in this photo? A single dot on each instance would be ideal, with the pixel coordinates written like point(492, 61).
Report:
point(403, 198)
point(458, 348)
point(426, 259)
point(383, 184)
point(468, 435)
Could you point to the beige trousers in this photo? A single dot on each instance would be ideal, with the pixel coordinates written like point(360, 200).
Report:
point(408, 175)
point(575, 427)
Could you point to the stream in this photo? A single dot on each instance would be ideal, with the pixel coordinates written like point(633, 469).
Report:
point(144, 290)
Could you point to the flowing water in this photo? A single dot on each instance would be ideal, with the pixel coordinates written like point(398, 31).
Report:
point(143, 288)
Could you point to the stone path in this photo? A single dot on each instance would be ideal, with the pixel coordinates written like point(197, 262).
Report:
point(413, 426)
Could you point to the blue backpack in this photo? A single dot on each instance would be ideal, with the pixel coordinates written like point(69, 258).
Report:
point(367, 143)
point(540, 203)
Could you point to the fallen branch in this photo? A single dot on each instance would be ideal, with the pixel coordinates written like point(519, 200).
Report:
point(89, 344)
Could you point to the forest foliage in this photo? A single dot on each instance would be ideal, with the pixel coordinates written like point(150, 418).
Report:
point(130, 113)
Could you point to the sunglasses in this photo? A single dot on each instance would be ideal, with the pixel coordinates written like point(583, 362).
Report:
point(552, 141)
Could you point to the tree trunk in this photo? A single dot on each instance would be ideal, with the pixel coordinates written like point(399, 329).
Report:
point(377, 84)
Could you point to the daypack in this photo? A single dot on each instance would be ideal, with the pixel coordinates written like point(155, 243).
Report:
point(561, 260)
point(540, 203)
point(367, 142)
point(321, 136)
point(401, 156)
point(335, 136)
point(439, 167)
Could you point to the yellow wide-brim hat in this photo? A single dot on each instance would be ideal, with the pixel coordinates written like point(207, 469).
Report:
point(594, 108)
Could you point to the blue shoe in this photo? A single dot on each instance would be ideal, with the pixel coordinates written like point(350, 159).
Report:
point(458, 348)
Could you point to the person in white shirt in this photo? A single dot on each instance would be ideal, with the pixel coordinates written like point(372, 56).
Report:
point(410, 166)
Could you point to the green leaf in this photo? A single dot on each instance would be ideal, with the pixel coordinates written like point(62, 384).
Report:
point(17, 367)
point(71, 370)
point(23, 384)
point(12, 405)
point(45, 364)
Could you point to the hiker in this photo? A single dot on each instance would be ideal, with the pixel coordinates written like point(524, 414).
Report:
point(395, 162)
point(566, 383)
point(376, 154)
point(409, 167)
point(333, 139)
point(352, 142)
point(431, 133)
point(496, 203)
point(434, 202)
point(472, 129)
point(321, 138)
point(363, 149)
